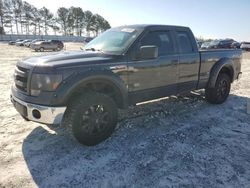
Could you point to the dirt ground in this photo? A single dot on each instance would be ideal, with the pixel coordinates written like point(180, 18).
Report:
point(174, 142)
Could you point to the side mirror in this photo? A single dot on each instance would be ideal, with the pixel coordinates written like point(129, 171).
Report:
point(148, 52)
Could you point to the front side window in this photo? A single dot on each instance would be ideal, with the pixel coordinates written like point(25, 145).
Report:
point(161, 39)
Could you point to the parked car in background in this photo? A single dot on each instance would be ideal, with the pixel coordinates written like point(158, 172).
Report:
point(226, 43)
point(58, 43)
point(27, 44)
point(205, 45)
point(199, 43)
point(235, 45)
point(14, 42)
point(245, 46)
point(47, 45)
point(21, 43)
point(213, 44)
point(87, 39)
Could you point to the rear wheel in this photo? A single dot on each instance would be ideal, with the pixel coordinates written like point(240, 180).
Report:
point(220, 92)
point(41, 49)
point(92, 117)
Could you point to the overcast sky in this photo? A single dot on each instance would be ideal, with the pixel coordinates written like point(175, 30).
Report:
point(207, 18)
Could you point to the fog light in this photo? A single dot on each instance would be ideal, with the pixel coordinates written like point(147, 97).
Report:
point(36, 114)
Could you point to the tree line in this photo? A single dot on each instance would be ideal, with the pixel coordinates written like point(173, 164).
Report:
point(20, 17)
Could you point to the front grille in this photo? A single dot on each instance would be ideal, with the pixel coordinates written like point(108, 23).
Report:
point(21, 78)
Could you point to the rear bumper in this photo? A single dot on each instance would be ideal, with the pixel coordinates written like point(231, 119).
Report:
point(38, 113)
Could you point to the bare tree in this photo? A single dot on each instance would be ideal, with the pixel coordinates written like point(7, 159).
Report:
point(16, 8)
point(72, 21)
point(54, 25)
point(70, 24)
point(77, 16)
point(1, 17)
point(7, 15)
point(55, 29)
point(27, 15)
point(46, 18)
point(87, 20)
point(63, 14)
point(36, 21)
point(98, 24)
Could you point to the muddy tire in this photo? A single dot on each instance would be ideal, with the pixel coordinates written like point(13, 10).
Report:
point(220, 92)
point(92, 118)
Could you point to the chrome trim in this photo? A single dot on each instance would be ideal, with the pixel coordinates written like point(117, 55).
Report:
point(49, 115)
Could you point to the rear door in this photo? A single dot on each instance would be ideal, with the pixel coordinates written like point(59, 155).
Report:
point(54, 44)
point(51, 45)
point(189, 61)
point(154, 78)
point(45, 45)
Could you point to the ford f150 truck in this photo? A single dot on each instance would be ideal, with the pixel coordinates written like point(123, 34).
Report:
point(121, 67)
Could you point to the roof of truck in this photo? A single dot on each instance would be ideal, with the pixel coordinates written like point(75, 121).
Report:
point(148, 26)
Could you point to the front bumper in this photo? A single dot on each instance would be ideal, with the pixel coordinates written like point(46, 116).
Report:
point(33, 47)
point(37, 113)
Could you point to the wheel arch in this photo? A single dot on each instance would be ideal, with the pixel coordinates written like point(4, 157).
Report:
point(105, 82)
point(224, 65)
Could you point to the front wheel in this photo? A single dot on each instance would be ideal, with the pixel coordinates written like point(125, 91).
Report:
point(92, 117)
point(220, 92)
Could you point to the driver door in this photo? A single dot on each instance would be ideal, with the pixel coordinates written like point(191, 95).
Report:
point(153, 78)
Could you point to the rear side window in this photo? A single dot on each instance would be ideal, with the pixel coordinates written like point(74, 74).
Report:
point(161, 39)
point(184, 42)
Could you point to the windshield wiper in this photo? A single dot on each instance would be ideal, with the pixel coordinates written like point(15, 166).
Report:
point(93, 49)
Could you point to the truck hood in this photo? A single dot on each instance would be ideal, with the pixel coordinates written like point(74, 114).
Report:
point(65, 59)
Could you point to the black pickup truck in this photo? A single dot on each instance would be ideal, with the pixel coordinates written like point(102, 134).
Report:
point(121, 67)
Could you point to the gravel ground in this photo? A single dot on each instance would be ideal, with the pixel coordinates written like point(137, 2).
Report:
point(173, 142)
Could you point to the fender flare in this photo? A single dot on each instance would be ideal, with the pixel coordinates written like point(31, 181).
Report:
point(79, 79)
point(214, 73)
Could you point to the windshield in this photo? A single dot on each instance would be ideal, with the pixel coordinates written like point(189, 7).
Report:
point(114, 41)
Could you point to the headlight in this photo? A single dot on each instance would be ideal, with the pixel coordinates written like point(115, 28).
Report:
point(44, 82)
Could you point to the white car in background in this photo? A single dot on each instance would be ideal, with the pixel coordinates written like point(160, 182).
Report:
point(245, 46)
point(205, 45)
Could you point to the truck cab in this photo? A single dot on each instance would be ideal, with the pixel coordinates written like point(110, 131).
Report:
point(174, 68)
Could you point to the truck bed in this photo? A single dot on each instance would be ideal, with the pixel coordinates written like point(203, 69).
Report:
point(209, 57)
